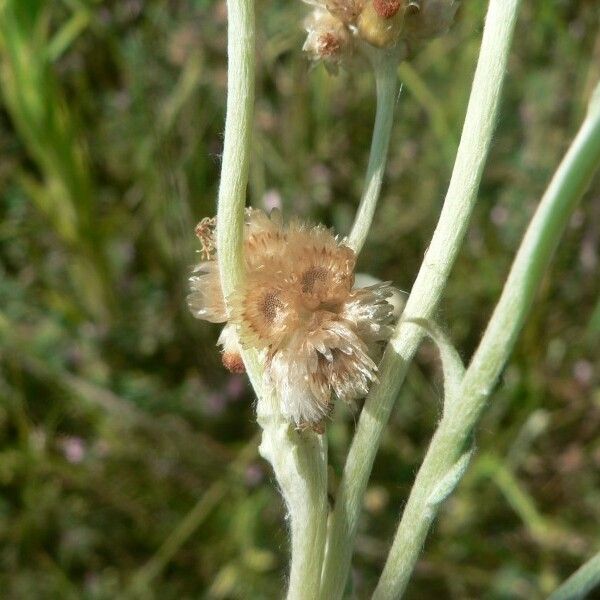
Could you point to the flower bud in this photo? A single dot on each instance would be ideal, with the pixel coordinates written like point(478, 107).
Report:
point(333, 25)
point(328, 38)
point(386, 9)
point(380, 22)
point(232, 357)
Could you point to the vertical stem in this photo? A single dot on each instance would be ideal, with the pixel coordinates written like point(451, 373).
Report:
point(236, 146)
point(448, 444)
point(386, 84)
point(309, 519)
point(427, 290)
point(298, 459)
point(236, 158)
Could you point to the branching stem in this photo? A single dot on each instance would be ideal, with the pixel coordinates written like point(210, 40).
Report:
point(385, 66)
point(298, 459)
point(427, 290)
point(459, 420)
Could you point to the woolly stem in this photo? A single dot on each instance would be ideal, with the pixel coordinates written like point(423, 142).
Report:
point(460, 418)
point(298, 459)
point(236, 145)
point(431, 279)
point(386, 83)
point(300, 464)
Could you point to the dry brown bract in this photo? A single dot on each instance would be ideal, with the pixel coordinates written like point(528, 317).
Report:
point(321, 338)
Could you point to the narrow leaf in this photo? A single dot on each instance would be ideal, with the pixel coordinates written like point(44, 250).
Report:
point(452, 364)
point(447, 484)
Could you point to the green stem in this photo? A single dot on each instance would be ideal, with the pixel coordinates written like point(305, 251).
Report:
point(236, 159)
point(386, 83)
point(580, 583)
point(427, 290)
point(457, 425)
point(308, 515)
point(236, 145)
point(298, 459)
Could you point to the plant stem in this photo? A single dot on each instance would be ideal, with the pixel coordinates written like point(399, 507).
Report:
point(236, 159)
point(427, 290)
point(300, 464)
point(386, 84)
point(580, 583)
point(457, 425)
point(236, 145)
point(298, 459)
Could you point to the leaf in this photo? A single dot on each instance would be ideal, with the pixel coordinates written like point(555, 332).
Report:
point(447, 484)
point(452, 364)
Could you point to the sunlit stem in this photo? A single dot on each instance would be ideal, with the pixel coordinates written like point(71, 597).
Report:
point(236, 145)
point(298, 459)
point(427, 290)
point(385, 66)
point(459, 420)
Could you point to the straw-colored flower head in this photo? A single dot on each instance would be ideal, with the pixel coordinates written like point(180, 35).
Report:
point(328, 39)
point(206, 299)
point(335, 25)
point(380, 22)
point(263, 237)
point(321, 337)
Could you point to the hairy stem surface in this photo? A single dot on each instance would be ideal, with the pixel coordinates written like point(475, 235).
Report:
point(431, 279)
point(460, 417)
point(298, 459)
point(385, 66)
point(236, 145)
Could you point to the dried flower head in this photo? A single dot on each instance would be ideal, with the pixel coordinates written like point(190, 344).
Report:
point(333, 25)
point(328, 39)
point(321, 336)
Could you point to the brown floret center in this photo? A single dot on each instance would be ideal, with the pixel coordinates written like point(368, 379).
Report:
point(311, 277)
point(271, 305)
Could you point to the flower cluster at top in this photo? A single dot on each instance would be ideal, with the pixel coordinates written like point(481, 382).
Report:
point(320, 336)
point(336, 27)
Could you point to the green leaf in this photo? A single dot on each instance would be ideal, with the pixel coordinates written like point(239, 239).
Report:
point(452, 364)
point(447, 484)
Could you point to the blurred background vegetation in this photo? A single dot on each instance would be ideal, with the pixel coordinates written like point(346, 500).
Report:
point(128, 462)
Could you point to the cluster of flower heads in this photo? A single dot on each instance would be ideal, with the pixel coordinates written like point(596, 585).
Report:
point(321, 336)
point(334, 26)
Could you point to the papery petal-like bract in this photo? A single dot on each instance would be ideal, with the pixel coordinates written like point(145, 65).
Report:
point(320, 336)
point(206, 298)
